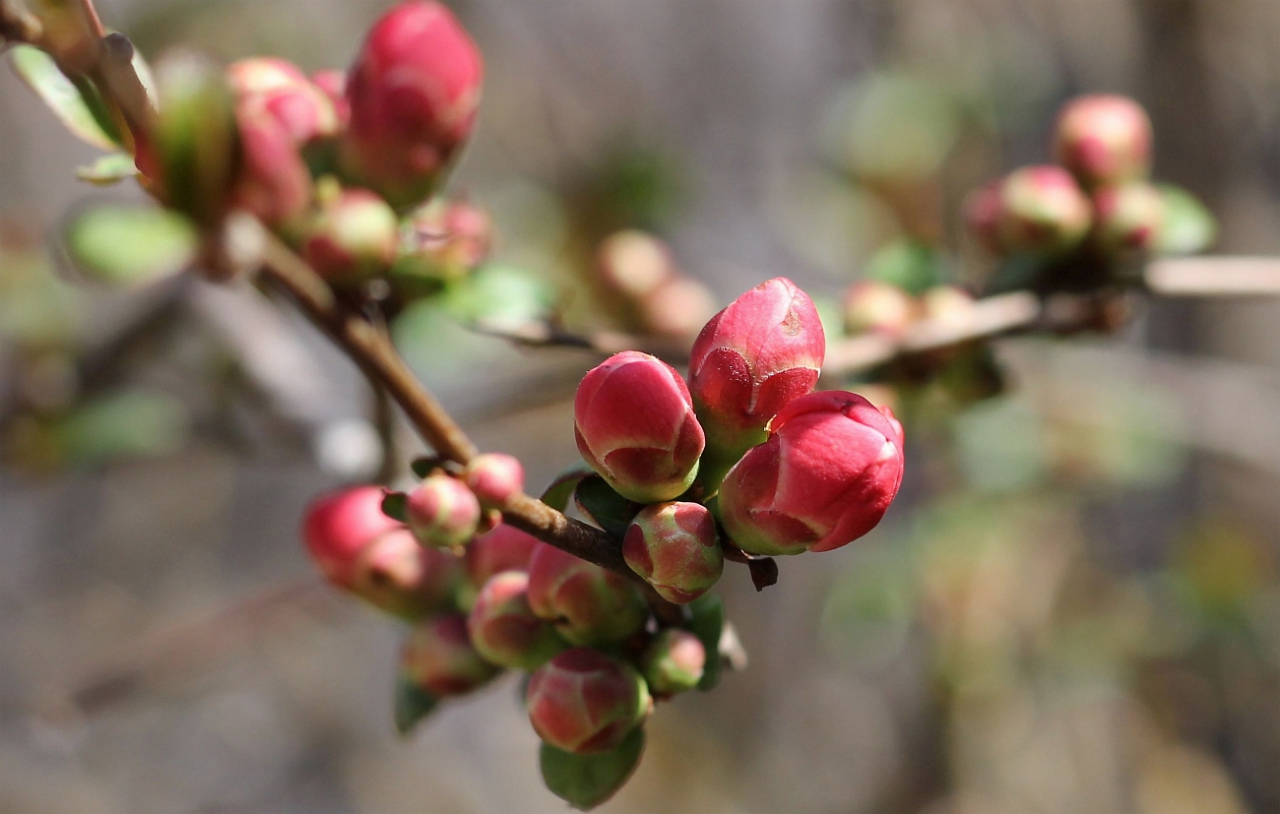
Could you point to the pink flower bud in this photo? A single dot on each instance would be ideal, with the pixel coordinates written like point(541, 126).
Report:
point(445, 240)
point(340, 525)
point(282, 91)
point(504, 628)
point(674, 547)
point(753, 358)
point(1128, 218)
point(506, 548)
point(273, 183)
point(443, 512)
point(585, 702)
point(395, 573)
point(588, 604)
point(1043, 211)
point(495, 478)
point(634, 424)
point(947, 305)
point(353, 237)
point(677, 308)
point(871, 306)
point(983, 214)
point(414, 90)
point(674, 662)
point(333, 84)
point(634, 263)
point(1104, 140)
point(439, 658)
point(830, 469)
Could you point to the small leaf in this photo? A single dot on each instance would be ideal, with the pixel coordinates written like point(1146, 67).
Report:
point(425, 466)
point(610, 510)
point(1189, 227)
point(561, 489)
point(124, 424)
point(130, 245)
point(412, 704)
point(708, 625)
point(108, 169)
point(586, 781)
point(62, 96)
point(395, 506)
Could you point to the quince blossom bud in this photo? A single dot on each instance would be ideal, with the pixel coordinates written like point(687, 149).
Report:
point(414, 90)
point(830, 469)
point(674, 662)
point(353, 237)
point(871, 306)
point(438, 657)
point(505, 548)
point(504, 628)
point(587, 604)
point(677, 308)
point(444, 241)
point(282, 91)
point(1104, 140)
point(495, 478)
point(674, 547)
point(634, 263)
point(340, 525)
point(585, 702)
point(1128, 218)
point(395, 573)
point(634, 424)
point(1044, 211)
point(442, 512)
point(333, 84)
point(983, 214)
point(274, 184)
point(765, 349)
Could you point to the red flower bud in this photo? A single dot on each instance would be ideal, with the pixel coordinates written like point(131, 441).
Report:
point(1128, 218)
point(340, 525)
point(871, 306)
point(1104, 140)
point(753, 358)
point(674, 662)
point(588, 604)
point(439, 658)
point(443, 512)
point(674, 547)
point(353, 237)
point(495, 478)
point(282, 91)
point(634, 263)
point(1043, 211)
point(634, 423)
point(585, 702)
point(830, 469)
point(504, 628)
point(505, 548)
point(274, 183)
point(445, 241)
point(395, 573)
point(414, 90)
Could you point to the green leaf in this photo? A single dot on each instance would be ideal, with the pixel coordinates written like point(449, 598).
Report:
point(561, 489)
point(425, 466)
point(73, 104)
point(395, 506)
point(586, 781)
point(130, 245)
point(130, 423)
point(111, 168)
point(499, 294)
point(707, 624)
point(610, 510)
point(412, 704)
point(907, 264)
point(1189, 226)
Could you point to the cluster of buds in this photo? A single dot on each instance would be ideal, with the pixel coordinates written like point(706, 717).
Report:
point(656, 296)
point(1096, 201)
point(876, 307)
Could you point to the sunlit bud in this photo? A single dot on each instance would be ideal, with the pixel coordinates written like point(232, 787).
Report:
point(400, 576)
point(830, 469)
point(439, 658)
point(751, 360)
point(674, 662)
point(281, 90)
point(414, 90)
point(353, 237)
point(677, 308)
point(585, 702)
point(1104, 140)
point(871, 306)
point(504, 628)
point(442, 511)
point(674, 547)
point(1044, 211)
point(634, 424)
point(340, 525)
point(495, 478)
point(505, 548)
point(273, 183)
point(1128, 218)
point(588, 604)
point(634, 263)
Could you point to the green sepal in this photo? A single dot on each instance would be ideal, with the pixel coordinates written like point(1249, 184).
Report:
point(610, 510)
point(395, 505)
point(586, 781)
point(707, 624)
point(561, 489)
point(412, 704)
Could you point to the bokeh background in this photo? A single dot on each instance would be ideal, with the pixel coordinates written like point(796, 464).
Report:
point(1074, 606)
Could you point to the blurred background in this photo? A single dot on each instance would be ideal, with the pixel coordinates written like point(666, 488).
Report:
point(1074, 606)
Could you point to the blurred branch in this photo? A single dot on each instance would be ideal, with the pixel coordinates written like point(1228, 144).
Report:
point(1222, 276)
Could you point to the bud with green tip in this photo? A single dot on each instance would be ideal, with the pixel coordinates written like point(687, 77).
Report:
point(504, 629)
point(872, 306)
point(585, 702)
point(587, 604)
point(495, 478)
point(438, 657)
point(273, 183)
point(505, 548)
point(674, 662)
point(443, 241)
point(401, 577)
point(355, 236)
point(442, 511)
point(1043, 211)
point(280, 89)
point(1104, 139)
point(1129, 218)
point(674, 547)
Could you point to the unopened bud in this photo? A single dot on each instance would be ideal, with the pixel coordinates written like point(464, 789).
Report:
point(439, 658)
point(674, 547)
point(444, 241)
point(677, 308)
point(1128, 218)
point(634, 263)
point(273, 183)
point(585, 702)
point(1104, 140)
point(674, 662)
point(587, 604)
point(871, 306)
point(504, 628)
point(281, 90)
point(1044, 211)
point(442, 512)
point(495, 478)
point(395, 573)
point(340, 525)
point(333, 84)
point(505, 548)
point(354, 236)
